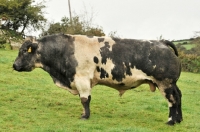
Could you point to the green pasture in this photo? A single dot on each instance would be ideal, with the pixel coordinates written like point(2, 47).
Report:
point(185, 43)
point(189, 46)
point(30, 102)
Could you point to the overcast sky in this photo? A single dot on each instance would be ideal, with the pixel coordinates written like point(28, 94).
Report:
point(137, 19)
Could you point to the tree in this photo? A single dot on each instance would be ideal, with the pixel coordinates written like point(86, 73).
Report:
point(76, 26)
point(196, 49)
point(113, 34)
point(19, 15)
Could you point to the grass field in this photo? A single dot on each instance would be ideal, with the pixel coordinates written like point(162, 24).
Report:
point(31, 102)
point(185, 43)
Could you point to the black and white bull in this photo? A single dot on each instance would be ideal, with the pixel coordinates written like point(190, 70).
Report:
point(78, 63)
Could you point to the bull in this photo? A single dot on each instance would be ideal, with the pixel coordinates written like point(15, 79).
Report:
point(78, 63)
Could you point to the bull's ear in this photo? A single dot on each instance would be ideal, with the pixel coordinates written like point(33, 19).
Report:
point(32, 48)
point(29, 50)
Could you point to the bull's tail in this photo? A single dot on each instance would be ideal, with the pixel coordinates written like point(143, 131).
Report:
point(169, 43)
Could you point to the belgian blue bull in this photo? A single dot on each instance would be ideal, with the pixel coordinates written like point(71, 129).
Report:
point(78, 63)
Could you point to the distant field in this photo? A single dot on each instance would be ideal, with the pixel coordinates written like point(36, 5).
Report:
point(189, 46)
point(185, 43)
point(31, 102)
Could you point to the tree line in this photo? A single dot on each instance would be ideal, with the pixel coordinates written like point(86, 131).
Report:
point(190, 59)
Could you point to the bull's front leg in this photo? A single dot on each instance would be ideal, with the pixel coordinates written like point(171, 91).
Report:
point(86, 107)
point(83, 86)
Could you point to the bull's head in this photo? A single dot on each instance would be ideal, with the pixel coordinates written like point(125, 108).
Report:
point(27, 57)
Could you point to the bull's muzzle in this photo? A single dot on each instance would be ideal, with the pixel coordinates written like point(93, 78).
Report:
point(16, 67)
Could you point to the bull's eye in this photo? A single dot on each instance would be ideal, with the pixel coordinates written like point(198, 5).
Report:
point(24, 51)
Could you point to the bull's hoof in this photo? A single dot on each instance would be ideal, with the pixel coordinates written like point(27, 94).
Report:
point(179, 120)
point(84, 117)
point(170, 123)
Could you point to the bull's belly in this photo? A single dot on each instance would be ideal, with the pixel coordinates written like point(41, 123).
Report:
point(129, 82)
point(121, 85)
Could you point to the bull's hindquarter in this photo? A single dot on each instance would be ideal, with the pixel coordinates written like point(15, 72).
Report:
point(77, 63)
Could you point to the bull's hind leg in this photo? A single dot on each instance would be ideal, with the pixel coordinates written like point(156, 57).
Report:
point(173, 96)
point(179, 110)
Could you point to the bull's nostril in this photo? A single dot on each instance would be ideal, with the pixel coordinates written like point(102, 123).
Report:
point(15, 67)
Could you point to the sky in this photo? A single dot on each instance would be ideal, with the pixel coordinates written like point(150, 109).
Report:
point(136, 19)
